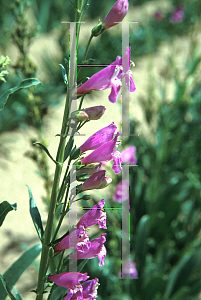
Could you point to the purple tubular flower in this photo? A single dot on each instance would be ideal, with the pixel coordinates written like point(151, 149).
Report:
point(117, 162)
point(71, 241)
point(95, 181)
point(89, 290)
point(97, 249)
point(68, 280)
point(121, 191)
point(105, 152)
point(111, 77)
point(128, 155)
point(99, 138)
point(129, 269)
point(116, 14)
point(94, 216)
point(177, 15)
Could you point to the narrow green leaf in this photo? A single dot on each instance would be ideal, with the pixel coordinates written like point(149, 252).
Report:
point(17, 294)
point(24, 84)
point(58, 293)
point(15, 271)
point(68, 148)
point(65, 78)
point(182, 272)
point(46, 150)
point(6, 289)
point(5, 207)
point(141, 241)
point(35, 215)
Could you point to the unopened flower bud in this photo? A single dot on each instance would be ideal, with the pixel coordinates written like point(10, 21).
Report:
point(105, 183)
point(81, 115)
point(116, 14)
point(95, 112)
point(94, 181)
point(98, 29)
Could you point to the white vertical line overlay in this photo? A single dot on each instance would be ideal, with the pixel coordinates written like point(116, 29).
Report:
point(72, 216)
point(125, 92)
point(72, 76)
point(125, 246)
point(72, 131)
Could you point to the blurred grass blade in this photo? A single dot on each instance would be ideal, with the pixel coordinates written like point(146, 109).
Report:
point(6, 289)
point(18, 267)
point(141, 241)
point(46, 150)
point(58, 293)
point(182, 272)
point(24, 84)
point(35, 215)
point(5, 207)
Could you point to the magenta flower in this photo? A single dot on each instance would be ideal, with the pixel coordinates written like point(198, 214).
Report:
point(75, 239)
point(96, 181)
point(97, 249)
point(129, 269)
point(177, 15)
point(99, 138)
point(111, 77)
point(116, 14)
point(128, 155)
point(89, 290)
point(68, 280)
point(105, 152)
point(122, 191)
point(117, 162)
point(94, 216)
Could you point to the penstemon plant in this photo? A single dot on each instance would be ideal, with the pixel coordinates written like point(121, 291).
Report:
point(60, 277)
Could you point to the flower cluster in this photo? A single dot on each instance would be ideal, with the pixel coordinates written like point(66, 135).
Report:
point(103, 144)
point(78, 239)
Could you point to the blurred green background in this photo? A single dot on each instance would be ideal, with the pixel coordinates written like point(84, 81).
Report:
point(165, 188)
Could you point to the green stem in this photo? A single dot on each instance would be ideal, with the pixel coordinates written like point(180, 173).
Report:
point(62, 214)
point(63, 185)
point(50, 220)
point(87, 47)
point(81, 101)
point(78, 16)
